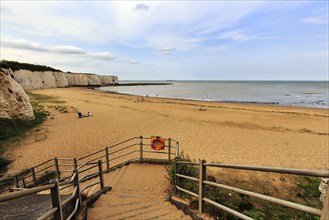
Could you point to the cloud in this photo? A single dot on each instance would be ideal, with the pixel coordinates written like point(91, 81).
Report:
point(130, 61)
point(101, 56)
point(316, 20)
point(235, 36)
point(216, 48)
point(60, 49)
point(22, 44)
point(141, 8)
point(166, 51)
point(66, 49)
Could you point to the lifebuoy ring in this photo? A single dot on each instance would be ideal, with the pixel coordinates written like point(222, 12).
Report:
point(157, 143)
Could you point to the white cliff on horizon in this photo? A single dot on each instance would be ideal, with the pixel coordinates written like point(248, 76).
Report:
point(42, 80)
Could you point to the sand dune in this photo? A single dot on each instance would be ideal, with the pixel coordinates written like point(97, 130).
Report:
point(227, 133)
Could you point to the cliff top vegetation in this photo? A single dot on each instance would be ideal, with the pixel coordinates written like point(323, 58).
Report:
point(14, 65)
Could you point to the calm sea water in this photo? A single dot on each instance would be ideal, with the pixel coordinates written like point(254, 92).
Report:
point(292, 93)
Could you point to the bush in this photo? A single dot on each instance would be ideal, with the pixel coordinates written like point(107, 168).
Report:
point(14, 129)
point(256, 209)
point(14, 65)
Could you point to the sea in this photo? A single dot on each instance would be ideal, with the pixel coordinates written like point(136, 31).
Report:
point(313, 94)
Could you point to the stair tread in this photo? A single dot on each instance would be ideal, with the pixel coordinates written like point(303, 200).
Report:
point(139, 192)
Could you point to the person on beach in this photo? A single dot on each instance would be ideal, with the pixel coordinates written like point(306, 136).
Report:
point(80, 115)
point(88, 114)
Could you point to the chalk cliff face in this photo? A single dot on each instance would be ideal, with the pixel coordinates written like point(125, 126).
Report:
point(76, 79)
point(14, 102)
point(43, 80)
point(61, 79)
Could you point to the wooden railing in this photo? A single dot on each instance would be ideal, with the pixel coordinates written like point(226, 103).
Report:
point(121, 152)
point(202, 182)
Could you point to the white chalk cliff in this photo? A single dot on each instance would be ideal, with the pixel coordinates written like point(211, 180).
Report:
point(14, 102)
point(42, 80)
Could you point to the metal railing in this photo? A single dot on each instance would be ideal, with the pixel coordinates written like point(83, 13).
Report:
point(113, 156)
point(202, 182)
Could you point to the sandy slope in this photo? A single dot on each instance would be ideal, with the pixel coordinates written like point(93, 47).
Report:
point(227, 133)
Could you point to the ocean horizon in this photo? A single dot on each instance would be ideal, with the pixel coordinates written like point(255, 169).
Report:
point(312, 94)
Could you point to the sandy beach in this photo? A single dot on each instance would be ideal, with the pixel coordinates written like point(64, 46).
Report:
point(227, 133)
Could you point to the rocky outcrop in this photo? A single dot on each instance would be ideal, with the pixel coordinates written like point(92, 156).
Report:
point(14, 102)
point(42, 80)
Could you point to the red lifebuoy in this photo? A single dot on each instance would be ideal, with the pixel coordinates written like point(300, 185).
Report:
point(157, 143)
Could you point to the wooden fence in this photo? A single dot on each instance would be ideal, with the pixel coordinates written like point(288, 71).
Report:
point(66, 178)
point(202, 182)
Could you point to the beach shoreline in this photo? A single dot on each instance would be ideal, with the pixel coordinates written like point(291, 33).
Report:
point(284, 93)
point(231, 133)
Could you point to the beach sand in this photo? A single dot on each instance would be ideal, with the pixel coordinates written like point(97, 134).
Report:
point(244, 134)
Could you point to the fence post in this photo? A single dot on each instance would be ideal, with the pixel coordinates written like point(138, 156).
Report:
point(16, 182)
point(202, 176)
point(101, 177)
point(23, 180)
point(177, 149)
point(141, 149)
point(57, 167)
point(325, 210)
point(169, 149)
point(77, 184)
point(33, 176)
point(176, 171)
point(107, 158)
point(75, 163)
point(56, 200)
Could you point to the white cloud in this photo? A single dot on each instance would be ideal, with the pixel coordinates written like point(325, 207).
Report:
point(130, 61)
point(60, 49)
point(167, 50)
point(22, 44)
point(66, 49)
point(316, 20)
point(101, 55)
point(233, 35)
point(216, 48)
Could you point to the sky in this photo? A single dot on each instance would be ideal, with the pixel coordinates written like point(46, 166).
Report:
point(171, 40)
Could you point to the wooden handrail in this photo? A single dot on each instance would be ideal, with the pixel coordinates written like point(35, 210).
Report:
point(282, 202)
point(316, 173)
point(122, 142)
point(74, 179)
point(47, 214)
point(292, 205)
point(14, 195)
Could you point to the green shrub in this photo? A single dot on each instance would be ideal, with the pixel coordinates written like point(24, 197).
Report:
point(256, 209)
point(310, 187)
point(14, 129)
point(255, 214)
point(185, 170)
point(14, 65)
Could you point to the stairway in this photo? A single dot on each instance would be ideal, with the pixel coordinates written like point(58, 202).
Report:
point(138, 192)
